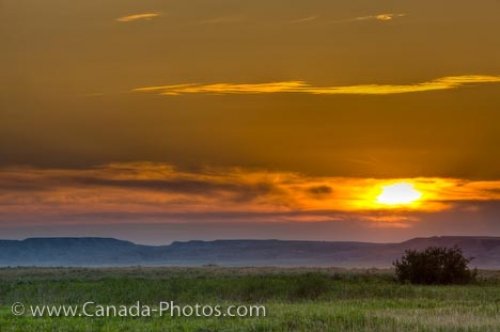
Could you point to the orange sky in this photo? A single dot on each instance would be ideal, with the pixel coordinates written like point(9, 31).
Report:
point(197, 119)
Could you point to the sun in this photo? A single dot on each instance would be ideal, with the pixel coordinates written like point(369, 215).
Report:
point(401, 193)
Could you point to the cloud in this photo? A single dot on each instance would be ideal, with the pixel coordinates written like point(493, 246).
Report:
point(443, 83)
point(383, 17)
point(320, 190)
point(379, 17)
point(226, 88)
point(137, 17)
point(162, 191)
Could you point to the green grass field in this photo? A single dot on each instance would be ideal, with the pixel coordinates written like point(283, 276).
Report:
point(295, 299)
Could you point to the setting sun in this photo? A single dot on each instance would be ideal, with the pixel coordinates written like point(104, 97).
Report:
point(399, 194)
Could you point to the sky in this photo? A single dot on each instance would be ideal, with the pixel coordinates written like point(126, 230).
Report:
point(158, 121)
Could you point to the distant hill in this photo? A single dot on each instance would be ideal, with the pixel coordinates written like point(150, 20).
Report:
point(90, 251)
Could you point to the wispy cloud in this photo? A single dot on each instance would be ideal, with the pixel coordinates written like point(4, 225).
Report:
point(384, 17)
point(379, 17)
point(443, 83)
point(137, 17)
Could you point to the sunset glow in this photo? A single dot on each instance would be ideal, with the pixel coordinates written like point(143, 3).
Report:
point(402, 193)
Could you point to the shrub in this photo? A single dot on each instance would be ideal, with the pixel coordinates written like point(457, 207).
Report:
point(434, 265)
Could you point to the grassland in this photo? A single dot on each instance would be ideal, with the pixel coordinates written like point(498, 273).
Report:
point(296, 299)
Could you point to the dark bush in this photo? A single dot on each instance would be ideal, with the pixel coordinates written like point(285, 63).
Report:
point(433, 266)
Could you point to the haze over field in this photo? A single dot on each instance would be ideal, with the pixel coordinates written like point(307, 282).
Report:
point(312, 120)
